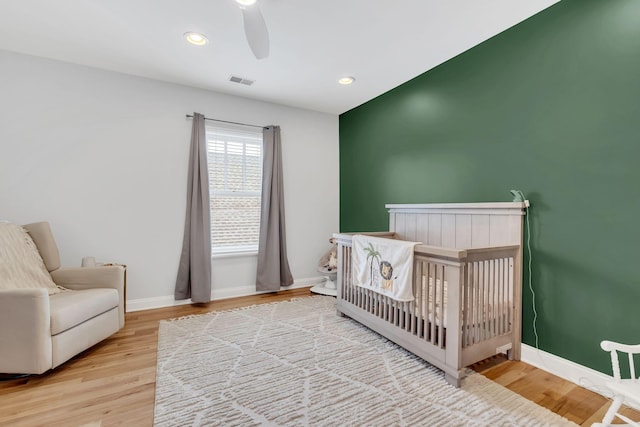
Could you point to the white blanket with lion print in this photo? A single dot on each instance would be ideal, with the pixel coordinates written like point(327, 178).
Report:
point(383, 265)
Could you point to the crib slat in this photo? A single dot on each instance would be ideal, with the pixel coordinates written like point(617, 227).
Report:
point(372, 308)
point(476, 308)
point(485, 302)
point(479, 305)
point(426, 310)
point(347, 274)
point(492, 298)
point(344, 274)
point(419, 320)
point(407, 318)
point(499, 283)
point(417, 272)
point(486, 328)
point(472, 304)
point(387, 310)
point(500, 305)
point(351, 282)
point(499, 296)
point(505, 297)
point(496, 302)
point(385, 305)
point(511, 295)
point(394, 317)
point(443, 303)
point(474, 320)
point(468, 307)
point(481, 302)
point(496, 310)
point(371, 300)
point(490, 302)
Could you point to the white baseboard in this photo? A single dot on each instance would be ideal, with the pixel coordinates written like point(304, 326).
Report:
point(154, 302)
point(216, 294)
point(585, 377)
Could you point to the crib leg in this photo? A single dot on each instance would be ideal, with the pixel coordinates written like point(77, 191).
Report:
point(453, 380)
point(340, 314)
point(514, 352)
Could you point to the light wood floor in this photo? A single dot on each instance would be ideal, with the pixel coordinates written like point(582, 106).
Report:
point(113, 383)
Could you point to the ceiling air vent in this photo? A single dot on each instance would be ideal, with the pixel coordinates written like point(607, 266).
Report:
point(236, 79)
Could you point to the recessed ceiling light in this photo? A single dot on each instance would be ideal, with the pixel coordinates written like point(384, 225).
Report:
point(346, 80)
point(196, 38)
point(246, 2)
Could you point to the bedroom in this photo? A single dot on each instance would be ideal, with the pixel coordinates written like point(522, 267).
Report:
point(570, 147)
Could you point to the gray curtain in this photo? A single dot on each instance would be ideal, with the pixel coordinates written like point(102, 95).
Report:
point(194, 271)
point(273, 266)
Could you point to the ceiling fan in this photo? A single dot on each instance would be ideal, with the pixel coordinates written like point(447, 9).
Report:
point(255, 28)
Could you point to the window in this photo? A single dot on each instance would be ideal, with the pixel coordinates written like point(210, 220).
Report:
point(235, 183)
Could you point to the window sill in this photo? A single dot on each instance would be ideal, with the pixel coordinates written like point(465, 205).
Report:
point(220, 255)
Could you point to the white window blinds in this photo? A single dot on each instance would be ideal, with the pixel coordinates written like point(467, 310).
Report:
point(235, 183)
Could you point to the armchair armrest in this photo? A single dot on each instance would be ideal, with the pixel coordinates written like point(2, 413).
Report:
point(94, 277)
point(25, 331)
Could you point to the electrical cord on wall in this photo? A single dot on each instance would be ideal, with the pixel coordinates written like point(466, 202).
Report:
point(519, 197)
point(542, 360)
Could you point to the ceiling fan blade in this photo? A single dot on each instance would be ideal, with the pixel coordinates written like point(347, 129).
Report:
point(256, 31)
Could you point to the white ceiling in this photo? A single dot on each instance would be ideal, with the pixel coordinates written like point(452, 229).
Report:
point(383, 43)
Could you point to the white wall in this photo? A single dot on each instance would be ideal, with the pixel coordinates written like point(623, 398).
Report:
point(103, 157)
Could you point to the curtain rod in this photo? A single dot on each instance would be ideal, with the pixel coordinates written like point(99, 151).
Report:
point(189, 116)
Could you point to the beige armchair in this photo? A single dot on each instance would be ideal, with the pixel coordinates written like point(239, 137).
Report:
point(39, 331)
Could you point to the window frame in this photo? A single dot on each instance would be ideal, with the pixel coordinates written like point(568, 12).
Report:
point(226, 134)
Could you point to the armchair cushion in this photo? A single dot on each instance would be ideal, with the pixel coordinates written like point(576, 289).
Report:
point(111, 277)
point(69, 309)
point(42, 236)
point(21, 266)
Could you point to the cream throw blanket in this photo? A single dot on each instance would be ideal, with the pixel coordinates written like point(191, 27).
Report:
point(21, 266)
point(384, 266)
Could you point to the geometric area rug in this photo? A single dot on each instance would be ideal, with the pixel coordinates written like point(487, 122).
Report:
point(296, 363)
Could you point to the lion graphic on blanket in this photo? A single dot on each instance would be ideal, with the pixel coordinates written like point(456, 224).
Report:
point(386, 271)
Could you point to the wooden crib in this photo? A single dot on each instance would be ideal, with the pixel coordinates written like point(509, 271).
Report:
point(467, 284)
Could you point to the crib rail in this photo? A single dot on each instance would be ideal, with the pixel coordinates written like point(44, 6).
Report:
point(468, 291)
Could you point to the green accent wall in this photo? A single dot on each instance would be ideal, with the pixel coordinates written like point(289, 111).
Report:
point(550, 107)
